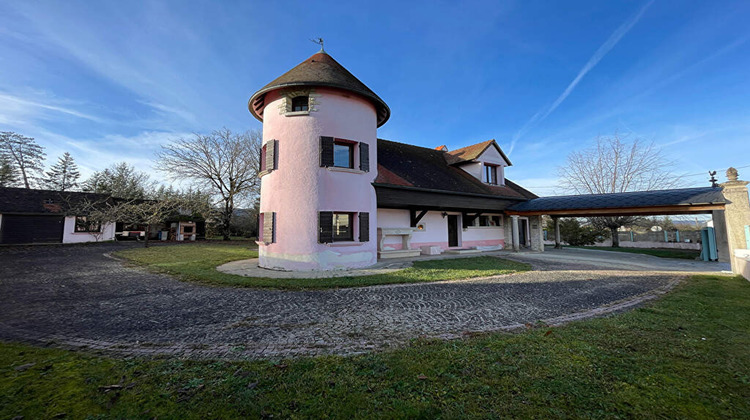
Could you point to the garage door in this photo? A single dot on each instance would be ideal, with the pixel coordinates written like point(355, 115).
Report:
point(19, 229)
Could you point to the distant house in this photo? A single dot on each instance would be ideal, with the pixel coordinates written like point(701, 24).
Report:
point(41, 216)
point(47, 217)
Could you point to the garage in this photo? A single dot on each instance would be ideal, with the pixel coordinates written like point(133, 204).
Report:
point(26, 229)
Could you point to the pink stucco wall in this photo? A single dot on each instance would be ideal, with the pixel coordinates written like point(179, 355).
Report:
point(300, 188)
point(436, 231)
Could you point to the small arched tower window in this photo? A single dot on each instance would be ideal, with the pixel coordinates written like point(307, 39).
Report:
point(300, 103)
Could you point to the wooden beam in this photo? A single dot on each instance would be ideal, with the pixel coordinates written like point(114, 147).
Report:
point(415, 218)
point(626, 211)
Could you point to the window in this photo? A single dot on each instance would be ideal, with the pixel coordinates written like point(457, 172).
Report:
point(300, 103)
point(343, 154)
point(339, 227)
point(83, 225)
point(268, 157)
point(490, 174)
point(343, 229)
point(267, 226)
point(487, 221)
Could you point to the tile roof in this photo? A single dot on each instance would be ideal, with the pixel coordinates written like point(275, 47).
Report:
point(469, 153)
point(405, 165)
point(673, 197)
point(320, 70)
point(22, 200)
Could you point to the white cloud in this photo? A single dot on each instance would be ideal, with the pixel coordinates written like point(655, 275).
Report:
point(15, 109)
point(610, 43)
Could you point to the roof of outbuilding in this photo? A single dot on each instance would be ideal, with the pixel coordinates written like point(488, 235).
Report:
point(469, 153)
point(23, 200)
point(673, 197)
point(405, 165)
point(320, 70)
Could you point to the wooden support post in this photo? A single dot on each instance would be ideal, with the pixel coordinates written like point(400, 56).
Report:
point(415, 218)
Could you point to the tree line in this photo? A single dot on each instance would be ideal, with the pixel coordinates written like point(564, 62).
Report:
point(219, 169)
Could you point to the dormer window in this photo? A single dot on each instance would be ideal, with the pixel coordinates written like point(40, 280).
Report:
point(490, 174)
point(300, 103)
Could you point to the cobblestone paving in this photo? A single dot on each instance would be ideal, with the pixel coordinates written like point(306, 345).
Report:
point(76, 297)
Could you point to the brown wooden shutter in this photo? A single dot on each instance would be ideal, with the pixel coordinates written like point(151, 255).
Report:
point(364, 227)
point(269, 227)
point(326, 152)
point(325, 227)
point(271, 147)
point(364, 157)
point(262, 160)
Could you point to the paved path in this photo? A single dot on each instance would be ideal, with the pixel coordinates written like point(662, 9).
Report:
point(619, 260)
point(74, 296)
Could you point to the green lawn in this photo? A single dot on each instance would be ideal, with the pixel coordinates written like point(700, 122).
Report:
point(198, 262)
point(686, 254)
point(684, 356)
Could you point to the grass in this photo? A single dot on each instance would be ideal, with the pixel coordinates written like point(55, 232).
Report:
point(684, 356)
point(685, 254)
point(198, 262)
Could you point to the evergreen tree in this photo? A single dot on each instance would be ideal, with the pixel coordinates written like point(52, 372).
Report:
point(24, 154)
point(7, 173)
point(122, 181)
point(63, 176)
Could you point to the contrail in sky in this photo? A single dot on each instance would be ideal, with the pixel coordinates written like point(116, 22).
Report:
point(593, 61)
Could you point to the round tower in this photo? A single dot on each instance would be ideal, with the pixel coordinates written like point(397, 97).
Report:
point(319, 159)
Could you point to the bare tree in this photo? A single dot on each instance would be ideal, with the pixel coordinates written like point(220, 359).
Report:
point(62, 176)
point(613, 165)
point(223, 163)
point(24, 155)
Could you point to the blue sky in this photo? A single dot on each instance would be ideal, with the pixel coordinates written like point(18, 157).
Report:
point(111, 81)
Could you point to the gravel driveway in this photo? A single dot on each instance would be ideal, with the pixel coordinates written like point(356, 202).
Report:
point(75, 296)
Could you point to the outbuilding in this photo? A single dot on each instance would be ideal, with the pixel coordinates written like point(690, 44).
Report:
point(41, 217)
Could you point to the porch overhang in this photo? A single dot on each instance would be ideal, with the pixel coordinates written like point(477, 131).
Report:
point(640, 203)
point(410, 198)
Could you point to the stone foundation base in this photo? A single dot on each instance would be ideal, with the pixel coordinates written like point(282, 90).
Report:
point(399, 253)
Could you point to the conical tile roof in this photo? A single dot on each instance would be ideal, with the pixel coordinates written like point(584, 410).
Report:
point(319, 70)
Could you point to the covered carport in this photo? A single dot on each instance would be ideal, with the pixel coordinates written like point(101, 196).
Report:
point(727, 204)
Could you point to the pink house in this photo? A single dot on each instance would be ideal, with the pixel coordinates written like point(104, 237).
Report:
point(334, 196)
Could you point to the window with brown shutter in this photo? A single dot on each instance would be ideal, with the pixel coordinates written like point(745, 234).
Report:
point(262, 168)
point(271, 153)
point(343, 227)
point(325, 227)
point(364, 157)
point(326, 152)
point(269, 227)
point(364, 227)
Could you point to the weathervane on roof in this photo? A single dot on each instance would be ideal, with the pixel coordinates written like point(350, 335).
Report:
point(713, 179)
point(318, 41)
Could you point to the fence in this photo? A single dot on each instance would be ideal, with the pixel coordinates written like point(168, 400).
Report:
point(677, 239)
point(687, 239)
